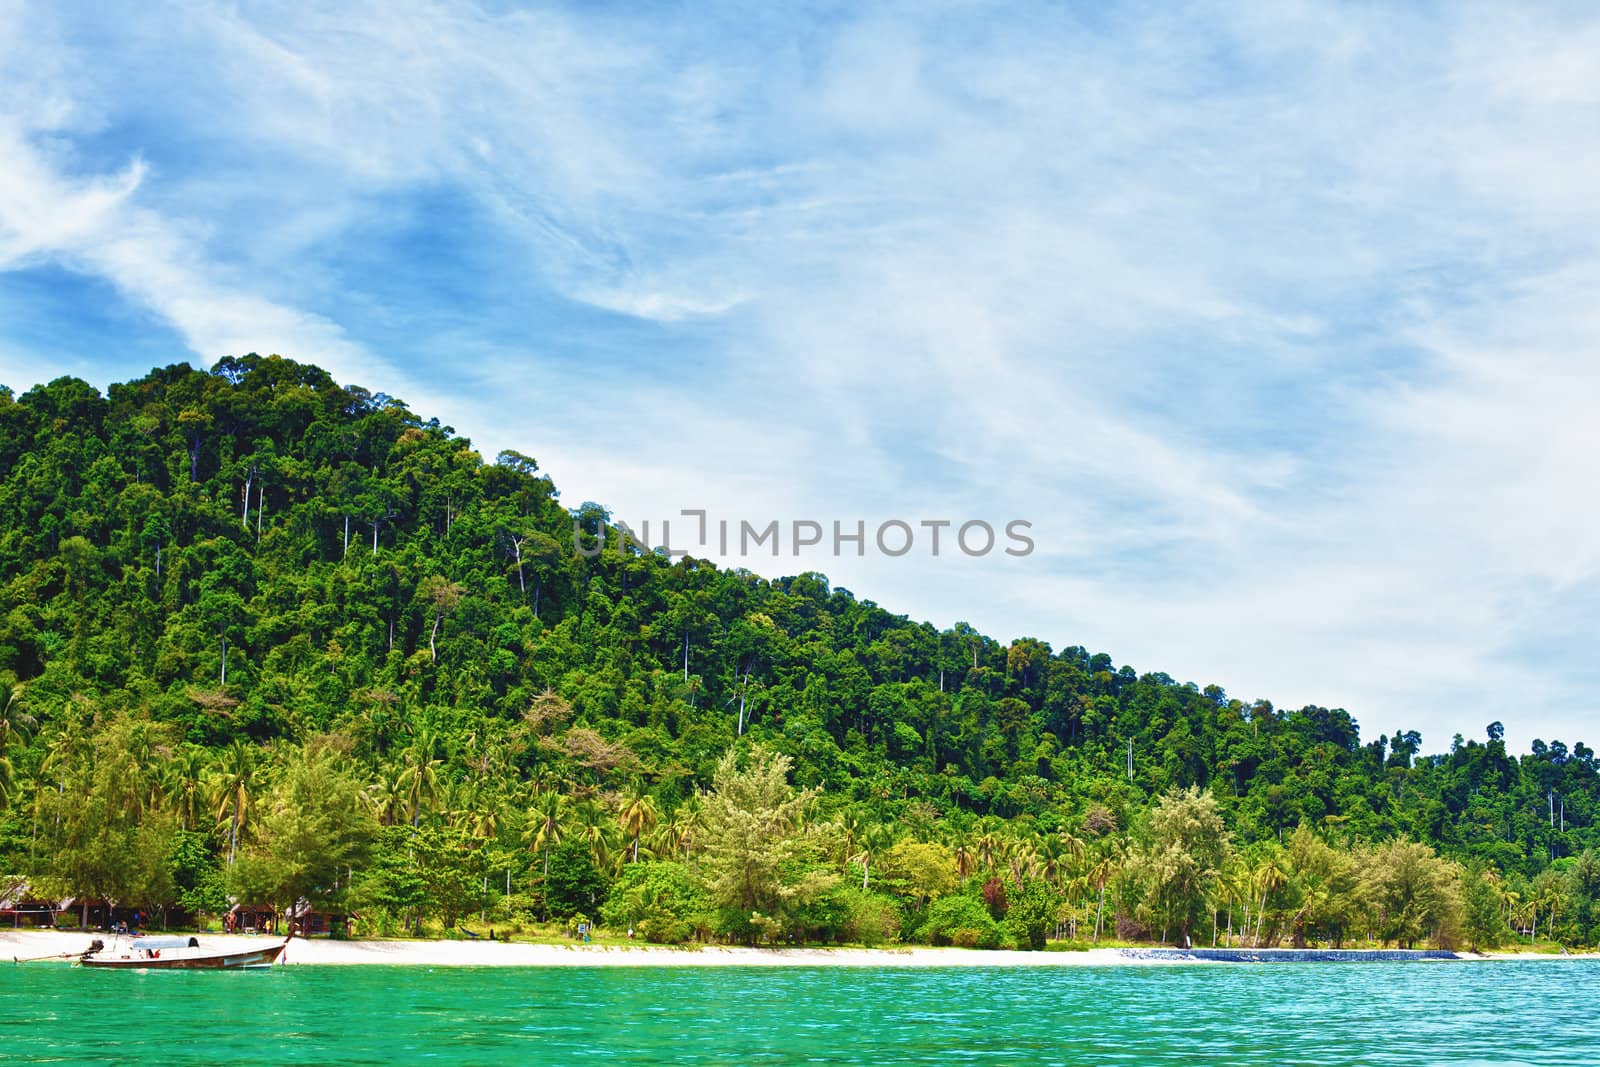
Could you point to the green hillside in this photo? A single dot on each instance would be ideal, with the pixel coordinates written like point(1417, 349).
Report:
point(269, 636)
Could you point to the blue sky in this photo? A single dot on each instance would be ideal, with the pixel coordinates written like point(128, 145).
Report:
point(1276, 321)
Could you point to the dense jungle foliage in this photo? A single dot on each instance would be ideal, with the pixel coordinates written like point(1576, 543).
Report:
point(271, 638)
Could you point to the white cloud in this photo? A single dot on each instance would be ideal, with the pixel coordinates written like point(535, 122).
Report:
point(1277, 321)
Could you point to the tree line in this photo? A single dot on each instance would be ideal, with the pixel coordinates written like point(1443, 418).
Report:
point(268, 636)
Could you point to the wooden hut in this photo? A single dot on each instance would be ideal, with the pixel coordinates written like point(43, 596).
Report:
point(307, 920)
point(22, 906)
point(252, 919)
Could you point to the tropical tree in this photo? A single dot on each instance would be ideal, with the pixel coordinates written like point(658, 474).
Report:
point(15, 725)
point(1189, 847)
point(639, 816)
point(237, 777)
point(547, 824)
point(1412, 892)
point(756, 848)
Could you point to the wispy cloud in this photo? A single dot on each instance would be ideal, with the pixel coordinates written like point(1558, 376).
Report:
point(1276, 320)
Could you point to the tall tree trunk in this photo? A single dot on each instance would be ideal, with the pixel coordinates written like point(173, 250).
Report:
point(744, 687)
point(545, 891)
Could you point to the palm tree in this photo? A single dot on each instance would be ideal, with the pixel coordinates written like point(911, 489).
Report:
point(1269, 877)
point(685, 825)
point(67, 750)
point(237, 777)
point(184, 781)
point(547, 825)
point(421, 775)
point(483, 820)
point(1235, 887)
point(1545, 894)
point(1023, 859)
point(14, 722)
point(593, 825)
point(1055, 853)
point(874, 839)
point(387, 795)
point(988, 847)
point(851, 824)
point(141, 766)
point(966, 862)
point(1108, 862)
point(639, 815)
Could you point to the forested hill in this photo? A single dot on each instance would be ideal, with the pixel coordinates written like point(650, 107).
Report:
point(247, 559)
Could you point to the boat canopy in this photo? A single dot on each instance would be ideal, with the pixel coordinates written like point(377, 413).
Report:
point(149, 944)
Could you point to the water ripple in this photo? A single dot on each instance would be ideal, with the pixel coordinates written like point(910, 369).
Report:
point(1326, 1015)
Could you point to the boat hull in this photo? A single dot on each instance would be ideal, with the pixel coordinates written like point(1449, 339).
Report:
point(221, 961)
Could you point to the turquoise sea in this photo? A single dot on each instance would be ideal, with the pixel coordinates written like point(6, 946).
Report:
point(1323, 1014)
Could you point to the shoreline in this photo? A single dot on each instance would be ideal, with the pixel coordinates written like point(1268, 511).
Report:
point(319, 952)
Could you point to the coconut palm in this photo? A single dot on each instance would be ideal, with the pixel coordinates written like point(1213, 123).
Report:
point(592, 824)
point(1546, 894)
point(852, 823)
point(1234, 886)
point(1107, 863)
point(483, 819)
point(238, 775)
point(988, 847)
point(1023, 859)
point(873, 839)
point(966, 861)
point(684, 827)
point(639, 815)
point(387, 795)
point(184, 782)
point(1268, 877)
point(420, 778)
point(15, 723)
point(547, 824)
point(1055, 854)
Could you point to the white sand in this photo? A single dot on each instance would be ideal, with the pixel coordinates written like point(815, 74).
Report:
point(28, 943)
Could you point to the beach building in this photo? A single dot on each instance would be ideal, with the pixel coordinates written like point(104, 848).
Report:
point(20, 906)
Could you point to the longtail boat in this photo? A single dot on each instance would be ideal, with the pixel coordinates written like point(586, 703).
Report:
point(179, 953)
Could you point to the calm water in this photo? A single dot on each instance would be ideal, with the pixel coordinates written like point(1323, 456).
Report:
point(1323, 1014)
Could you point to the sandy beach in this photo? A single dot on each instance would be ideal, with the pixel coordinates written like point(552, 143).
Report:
point(320, 951)
point(23, 944)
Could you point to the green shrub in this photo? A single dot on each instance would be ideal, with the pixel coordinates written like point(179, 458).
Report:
point(963, 921)
point(1030, 913)
point(870, 918)
point(660, 901)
